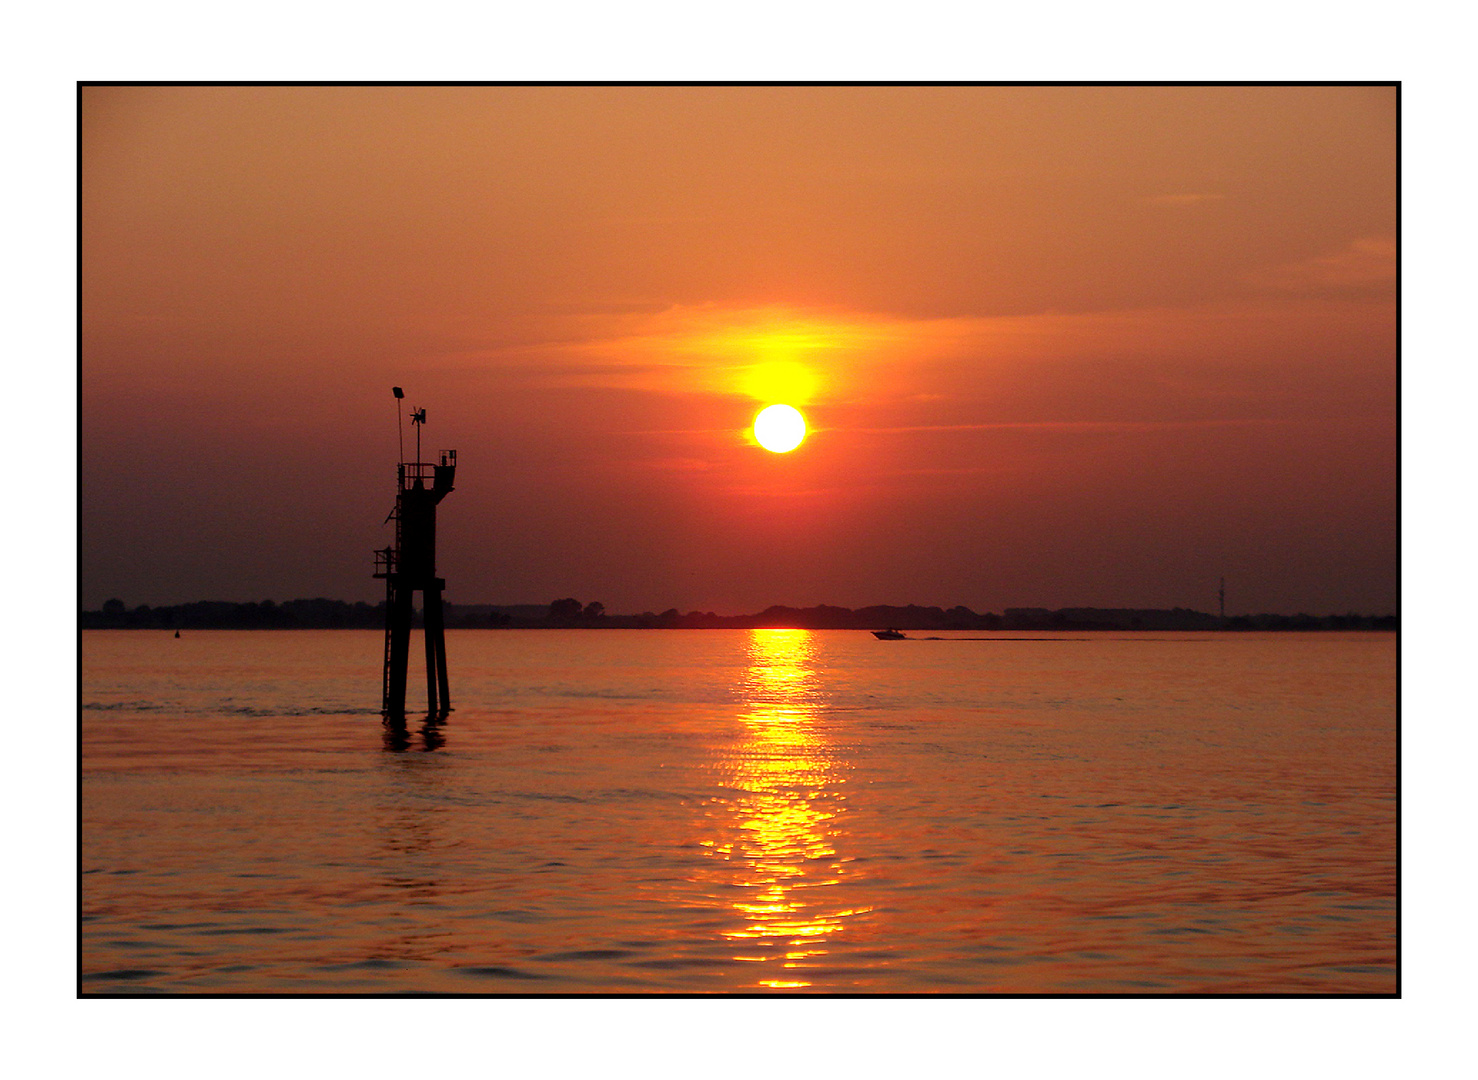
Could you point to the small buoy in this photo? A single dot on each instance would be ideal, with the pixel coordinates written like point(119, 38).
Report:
point(176, 633)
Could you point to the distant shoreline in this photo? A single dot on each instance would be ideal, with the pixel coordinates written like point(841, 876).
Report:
point(322, 614)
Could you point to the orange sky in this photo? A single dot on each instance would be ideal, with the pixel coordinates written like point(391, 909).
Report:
point(1057, 346)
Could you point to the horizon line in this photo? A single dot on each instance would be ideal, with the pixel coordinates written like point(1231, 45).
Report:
point(606, 613)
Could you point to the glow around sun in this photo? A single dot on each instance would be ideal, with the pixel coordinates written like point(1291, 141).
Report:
point(779, 428)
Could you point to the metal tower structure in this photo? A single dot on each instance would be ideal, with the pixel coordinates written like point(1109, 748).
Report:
point(410, 566)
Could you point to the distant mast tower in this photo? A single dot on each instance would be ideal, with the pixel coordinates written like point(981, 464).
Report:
point(410, 565)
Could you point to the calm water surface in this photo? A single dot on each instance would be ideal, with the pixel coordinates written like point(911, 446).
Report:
point(769, 811)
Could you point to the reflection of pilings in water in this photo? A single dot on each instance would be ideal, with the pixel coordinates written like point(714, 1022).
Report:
point(431, 736)
point(411, 821)
point(397, 736)
point(783, 854)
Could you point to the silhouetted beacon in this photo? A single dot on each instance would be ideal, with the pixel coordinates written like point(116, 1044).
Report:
point(410, 565)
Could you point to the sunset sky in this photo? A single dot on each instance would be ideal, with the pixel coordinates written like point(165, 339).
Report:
point(1056, 345)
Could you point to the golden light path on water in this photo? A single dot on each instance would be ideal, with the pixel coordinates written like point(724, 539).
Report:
point(781, 854)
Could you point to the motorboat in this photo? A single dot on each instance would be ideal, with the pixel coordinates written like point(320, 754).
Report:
point(888, 635)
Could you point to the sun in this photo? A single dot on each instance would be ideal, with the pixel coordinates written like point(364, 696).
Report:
point(779, 428)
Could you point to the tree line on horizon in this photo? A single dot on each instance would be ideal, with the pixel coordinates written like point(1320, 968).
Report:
point(567, 613)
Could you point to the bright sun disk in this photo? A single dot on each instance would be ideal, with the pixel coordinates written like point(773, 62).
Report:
point(779, 428)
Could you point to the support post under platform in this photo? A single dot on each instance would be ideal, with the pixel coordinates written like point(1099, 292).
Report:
point(436, 648)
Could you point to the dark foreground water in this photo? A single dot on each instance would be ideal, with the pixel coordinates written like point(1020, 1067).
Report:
point(763, 811)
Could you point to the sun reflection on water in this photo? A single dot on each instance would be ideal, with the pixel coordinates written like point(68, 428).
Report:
point(787, 777)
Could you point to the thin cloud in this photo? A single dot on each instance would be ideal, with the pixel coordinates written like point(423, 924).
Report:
point(1366, 263)
point(1185, 198)
point(1094, 426)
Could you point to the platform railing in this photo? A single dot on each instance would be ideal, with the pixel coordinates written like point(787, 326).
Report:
point(425, 471)
point(386, 561)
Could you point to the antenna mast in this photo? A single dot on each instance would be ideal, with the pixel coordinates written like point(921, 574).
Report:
point(399, 420)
